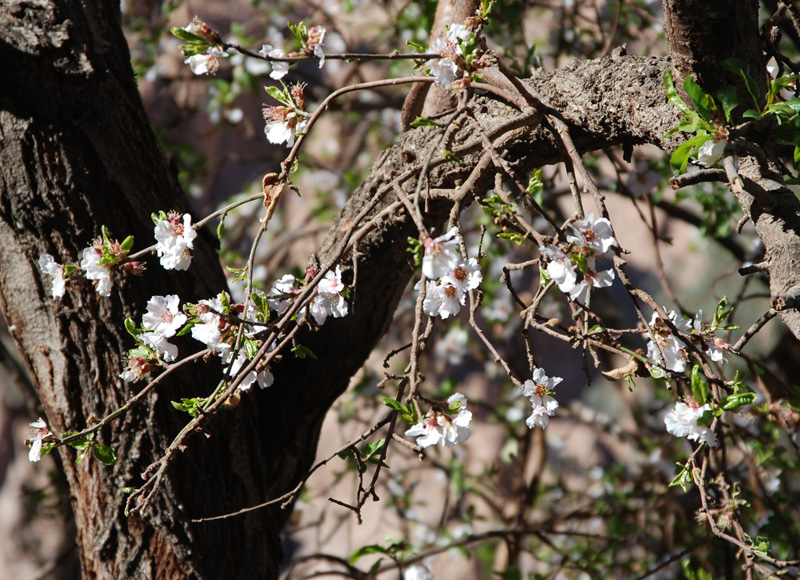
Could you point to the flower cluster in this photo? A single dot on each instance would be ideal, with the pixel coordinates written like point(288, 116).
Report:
point(328, 301)
point(97, 263)
point(690, 420)
point(205, 48)
point(459, 57)
point(449, 276)
point(312, 41)
point(449, 426)
point(288, 120)
point(587, 241)
point(673, 350)
point(540, 391)
point(174, 239)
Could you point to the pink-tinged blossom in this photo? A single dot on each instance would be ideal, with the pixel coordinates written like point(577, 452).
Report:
point(683, 422)
point(40, 434)
point(442, 427)
point(209, 330)
point(316, 43)
point(283, 125)
point(442, 255)
point(595, 235)
point(174, 240)
point(278, 297)
point(540, 390)
point(203, 30)
point(160, 345)
point(442, 299)
point(96, 271)
point(279, 68)
point(329, 301)
point(162, 316)
point(136, 369)
point(445, 69)
point(50, 267)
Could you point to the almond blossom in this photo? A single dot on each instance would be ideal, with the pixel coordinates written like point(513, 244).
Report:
point(441, 427)
point(279, 68)
point(99, 273)
point(261, 374)
point(540, 390)
point(683, 422)
point(174, 240)
point(41, 433)
point(207, 62)
point(50, 267)
point(442, 299)
point(442, 254)
point(162, 316)
point(278, 297)
point(329, 300)
point(445, 69)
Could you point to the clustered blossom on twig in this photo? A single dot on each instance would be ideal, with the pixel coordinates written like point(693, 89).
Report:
point(449, 276)
point(174, 239)
point(673, 349)
point(540, 391)
point(328, 301)
point(41, 436)
point(689, 420)
point(574, 266)
point(286, 121)
point(448, 427)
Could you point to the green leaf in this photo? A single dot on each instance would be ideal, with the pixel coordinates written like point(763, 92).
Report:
point(131, 328)
point(186, 35)
point(416, 46)
point(301, 351)
point(674, 97)
point(727, 96)
point(741, 68)
point(366, 550)
point(424, 122)
point(104, 454)
point(450, 156)
point(751, 114)
point(703, 102)
point(683, 478)
point(699, 386)
point(395, 405)
point(221, 227)
point(680, 157)
point(127, 244)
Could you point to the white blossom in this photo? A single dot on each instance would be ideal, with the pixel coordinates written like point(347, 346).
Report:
point(97, 271)
point(417, 572)
point(285, 130)
point(174, 240)
point(442, 299)
point(41, 432)
point(207, 62)
point(329, 301)
point(279, 68)
point(543, 404)
point(209, 330)
point(284, 286)
point(162, 316)
point(711, 152)
point(444, 69)
point(442, 255)
point(50, 267)
point(466, 276)
point(642, 180)
point(682, 422)
point(442, 427)
point(261, 375)
point(560, 268)
point(452, 346)
point(596, 235)
point(160, 344)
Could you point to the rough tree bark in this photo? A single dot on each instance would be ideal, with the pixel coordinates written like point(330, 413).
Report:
point(76, 152)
